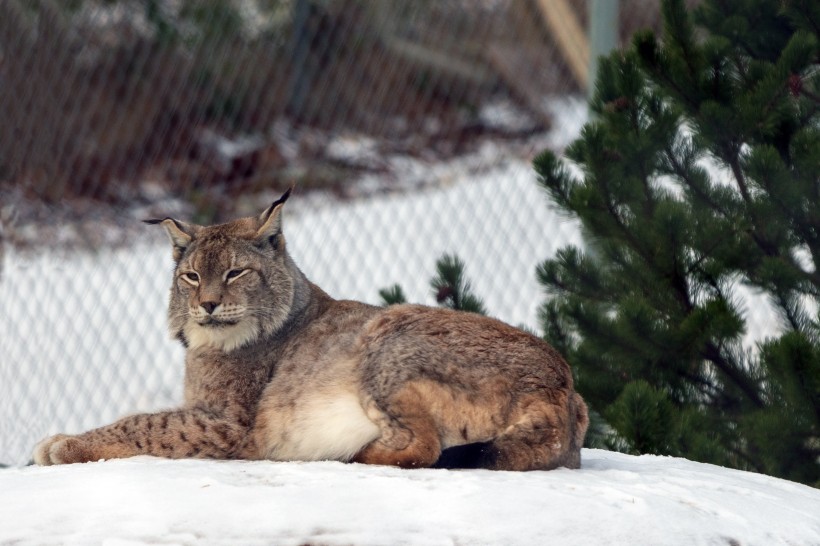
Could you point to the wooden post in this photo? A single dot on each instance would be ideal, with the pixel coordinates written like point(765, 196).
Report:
point(568, 34)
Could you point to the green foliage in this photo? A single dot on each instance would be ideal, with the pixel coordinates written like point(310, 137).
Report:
point(644, 417)
point(700, 173)
point(392, 295)
point(450, 286)
point(165, 30)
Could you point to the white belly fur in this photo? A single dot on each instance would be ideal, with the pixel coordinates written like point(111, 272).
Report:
point(323, 426)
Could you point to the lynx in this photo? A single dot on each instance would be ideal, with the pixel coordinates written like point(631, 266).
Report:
point(277, 369)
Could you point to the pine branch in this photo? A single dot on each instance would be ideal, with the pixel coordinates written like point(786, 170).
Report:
point(810, 95)
point(732, 158)
point(451, 287)
point(652, 61)
point(738, 377)
point(392, 295)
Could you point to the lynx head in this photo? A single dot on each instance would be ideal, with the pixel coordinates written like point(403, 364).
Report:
point(233, 283)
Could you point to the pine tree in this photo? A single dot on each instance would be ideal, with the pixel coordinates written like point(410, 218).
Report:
point(700, 173)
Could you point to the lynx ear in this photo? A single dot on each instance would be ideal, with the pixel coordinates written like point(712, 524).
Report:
point(270, 221)
point(180, 233)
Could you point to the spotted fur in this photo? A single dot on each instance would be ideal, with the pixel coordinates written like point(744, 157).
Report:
point(277, 369)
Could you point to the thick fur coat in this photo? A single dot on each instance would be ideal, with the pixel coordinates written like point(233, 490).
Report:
point(277, 369)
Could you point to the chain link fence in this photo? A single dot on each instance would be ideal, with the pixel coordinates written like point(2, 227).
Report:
point(406, 128)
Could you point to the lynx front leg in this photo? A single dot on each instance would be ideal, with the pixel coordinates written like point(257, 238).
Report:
point(174, 434)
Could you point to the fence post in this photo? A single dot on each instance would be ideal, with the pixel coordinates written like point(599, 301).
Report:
point(300, 80)
point(603, 35)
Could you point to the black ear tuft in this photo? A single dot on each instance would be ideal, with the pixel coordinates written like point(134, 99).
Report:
point(180, 234)
point(155, 221)
point(270, 221)
point(282, 199)
point(276, 203)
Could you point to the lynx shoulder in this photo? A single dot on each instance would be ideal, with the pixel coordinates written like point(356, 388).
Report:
point(277, 369)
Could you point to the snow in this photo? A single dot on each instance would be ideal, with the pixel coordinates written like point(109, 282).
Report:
point(102, 352)
point(613, 499)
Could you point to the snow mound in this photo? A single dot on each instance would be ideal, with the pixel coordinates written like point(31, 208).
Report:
point(614, 499)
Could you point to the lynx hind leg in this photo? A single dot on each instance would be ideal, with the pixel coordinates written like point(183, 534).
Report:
point(542, 438)
point(409, 437)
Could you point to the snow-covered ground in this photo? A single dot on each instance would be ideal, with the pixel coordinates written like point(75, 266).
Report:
point(614, 499)
point(82, 339)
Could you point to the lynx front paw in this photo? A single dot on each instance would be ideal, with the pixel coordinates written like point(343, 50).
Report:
point(62, 449)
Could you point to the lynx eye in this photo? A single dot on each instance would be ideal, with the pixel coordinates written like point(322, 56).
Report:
point(191, 278)
point(234, 274)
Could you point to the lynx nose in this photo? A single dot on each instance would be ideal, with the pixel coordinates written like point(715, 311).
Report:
point(209, 306)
